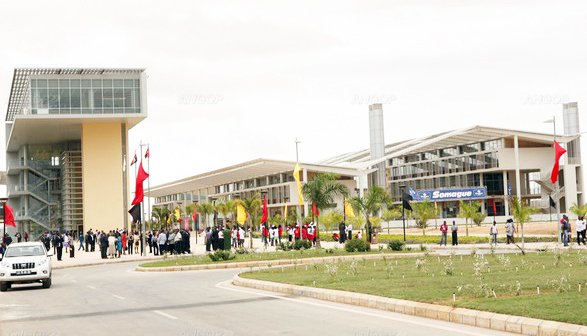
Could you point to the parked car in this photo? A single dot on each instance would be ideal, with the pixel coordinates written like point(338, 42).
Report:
point(24, 263)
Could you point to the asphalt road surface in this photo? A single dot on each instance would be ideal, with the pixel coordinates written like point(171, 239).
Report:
point(115, 300)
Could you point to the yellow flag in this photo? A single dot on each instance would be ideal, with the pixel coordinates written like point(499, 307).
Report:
point(285, 211)
point(177, 214)
point(241, 214)
point(296, 174)
point(348, 210)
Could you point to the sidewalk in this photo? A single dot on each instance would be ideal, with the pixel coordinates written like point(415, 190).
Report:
point(82, 258)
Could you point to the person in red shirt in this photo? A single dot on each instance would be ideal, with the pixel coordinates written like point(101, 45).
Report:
point(265, 233)
point(444, 230)
point(279, 233)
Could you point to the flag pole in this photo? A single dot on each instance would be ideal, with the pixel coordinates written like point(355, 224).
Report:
point(557, 184)
point(149, 185)
point(142, 232)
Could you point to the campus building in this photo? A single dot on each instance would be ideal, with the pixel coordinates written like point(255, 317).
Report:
point(476, 163)
point(66, 146)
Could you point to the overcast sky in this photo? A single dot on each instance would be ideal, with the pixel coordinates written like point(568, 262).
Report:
point(231, 81)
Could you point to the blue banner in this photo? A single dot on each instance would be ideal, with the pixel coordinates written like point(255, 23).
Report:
point(450, 194)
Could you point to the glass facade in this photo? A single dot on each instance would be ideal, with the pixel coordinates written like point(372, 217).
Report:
point(85, 96)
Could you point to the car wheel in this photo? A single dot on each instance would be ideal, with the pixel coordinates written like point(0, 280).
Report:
point(47, 283)
point(3, 286)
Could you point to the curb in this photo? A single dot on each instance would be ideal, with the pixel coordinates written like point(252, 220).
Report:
point(98, 263)
point(279, 262)
point(482, 319)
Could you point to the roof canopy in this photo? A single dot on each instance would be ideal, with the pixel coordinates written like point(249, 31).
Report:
point(247, 170)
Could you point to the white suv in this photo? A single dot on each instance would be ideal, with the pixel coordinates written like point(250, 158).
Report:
point(25, 263)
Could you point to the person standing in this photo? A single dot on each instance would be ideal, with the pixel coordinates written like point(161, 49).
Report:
point(455, 233)
point(111, 245)
point(208, 239)
point(581, 227)
point(349, 230)
point(103, 243)
point(124, 239)
point(493, 233)
point(566, 230)
point(26, 237)
point(443, 231)
point(81, 242)
point(509, 231)
point(162, 240)
point(59, 246)
point(341, 233)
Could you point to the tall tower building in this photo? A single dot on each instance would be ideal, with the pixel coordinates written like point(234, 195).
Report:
point(66, 146)
point(377, 142)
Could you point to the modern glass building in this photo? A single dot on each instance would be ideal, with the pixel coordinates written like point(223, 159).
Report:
point(66, 146)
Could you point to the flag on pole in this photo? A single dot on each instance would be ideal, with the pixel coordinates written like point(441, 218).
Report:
point(139, 191)
point(195, 214)
point(558, 152)
point(348, 210)
point(135, 212)
point(285, 212)
point(134, 160)
point(315, 210)
point(177, 214)
point(406, 198)
point(241, 214)
point(264, 215)
point(8, 215)
point(296, 174)
point(551, 202)
point(147, 155)
point(494, 208)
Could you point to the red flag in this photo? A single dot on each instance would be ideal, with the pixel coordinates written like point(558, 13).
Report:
point(494, 208)
point(558, 152)
point(139, 191)
point(134, 160)
point(315, 210)
point(264, 216)
point(8, 215)
point(147, 153)
point(195, 214)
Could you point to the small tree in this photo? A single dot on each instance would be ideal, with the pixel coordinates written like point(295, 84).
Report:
point(579, 210)
point(423, 212)
point(522, 214)
point(206, 209)
point(252, 206)
point(478, 218)
point(331, 219)
point(369, 204)
point(391, 214)
point(467, 210)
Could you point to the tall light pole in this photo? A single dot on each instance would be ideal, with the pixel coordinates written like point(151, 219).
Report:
point(299, 207)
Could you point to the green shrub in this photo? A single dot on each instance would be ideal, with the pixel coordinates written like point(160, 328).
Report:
point(242, 250)
point(221, 255)
point(302, 244)
point(285, 246)
point(396, 245)
point(357, 245)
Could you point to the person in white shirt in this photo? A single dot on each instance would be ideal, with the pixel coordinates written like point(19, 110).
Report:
point(349, 230)
point(241, 237)
point(493, 233)
point(162, 241)
point(581, 229)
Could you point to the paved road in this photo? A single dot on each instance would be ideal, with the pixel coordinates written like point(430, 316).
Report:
point(115, 300)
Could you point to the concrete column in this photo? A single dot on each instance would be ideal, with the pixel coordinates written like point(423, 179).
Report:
point(481, 183)
point(505, 193)
point(517, 163)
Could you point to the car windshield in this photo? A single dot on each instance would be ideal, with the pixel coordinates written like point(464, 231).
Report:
point(24, 251)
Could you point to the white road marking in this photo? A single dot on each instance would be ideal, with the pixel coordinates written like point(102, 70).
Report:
point(91, 287)
point(224, 284)
point(13, 305)
point(118, 296)
point(165, 314)
point(73, 280)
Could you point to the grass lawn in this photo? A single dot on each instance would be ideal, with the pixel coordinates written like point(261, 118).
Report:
point(293, 254)
point(514, 278)
point(384, 238)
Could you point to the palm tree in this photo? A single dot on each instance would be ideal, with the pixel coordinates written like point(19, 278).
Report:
point(225, 208)
point(321, 191)
point(160, 215)
point(521, 212)
point(423, 211)
point(368, 205)
point(205, 209)
point(252, 205)
point(468, 210)
point(230, 207)
point(579, 210)
point(332, 219)
point(189, 209)
point(391, 214)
